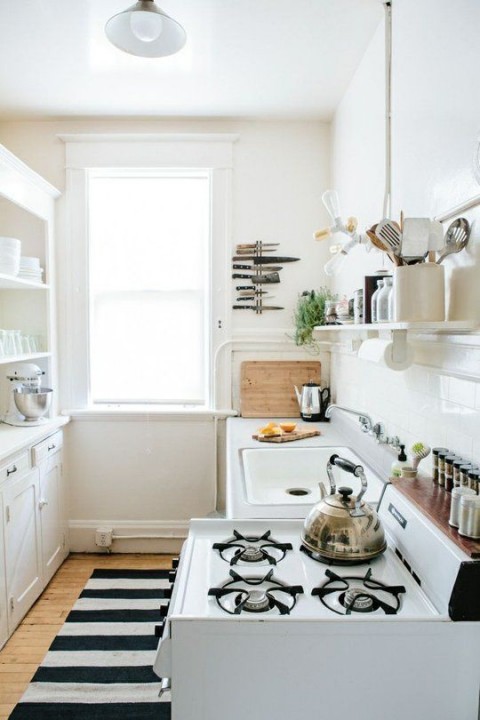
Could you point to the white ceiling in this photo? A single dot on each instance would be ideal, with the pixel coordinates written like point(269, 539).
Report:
point(243, 58)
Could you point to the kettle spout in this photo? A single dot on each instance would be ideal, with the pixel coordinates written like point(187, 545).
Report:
point(299, 396)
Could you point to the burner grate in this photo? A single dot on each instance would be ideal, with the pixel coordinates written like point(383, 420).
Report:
point(256, 594)
point(354, 593)
point(251, 549)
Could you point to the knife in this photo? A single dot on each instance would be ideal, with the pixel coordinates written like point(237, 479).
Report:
point(249, 251)
point(257, 245)
point(273, 277)
point(271, 268)
point(260, 308)
point(258, 260)
point(242, 298)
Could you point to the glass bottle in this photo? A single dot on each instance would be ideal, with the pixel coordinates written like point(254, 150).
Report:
point(375, 300)
point(382, 300)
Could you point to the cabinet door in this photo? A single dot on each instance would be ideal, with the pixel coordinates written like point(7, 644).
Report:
point(3, 588)
point(23, 557)
point(51, 514)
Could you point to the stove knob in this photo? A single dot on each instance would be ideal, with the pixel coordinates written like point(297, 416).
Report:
point(159, 630)
point(163, 610)
point(175, 562)
point(167, 593)
point(171, 576)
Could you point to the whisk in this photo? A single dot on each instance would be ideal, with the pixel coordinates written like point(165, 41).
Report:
point(419, 452)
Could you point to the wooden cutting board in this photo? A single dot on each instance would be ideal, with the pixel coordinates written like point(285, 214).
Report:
point(266, 386)
point(287, 437)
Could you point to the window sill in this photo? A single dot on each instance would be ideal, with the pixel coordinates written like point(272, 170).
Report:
point(156, 413)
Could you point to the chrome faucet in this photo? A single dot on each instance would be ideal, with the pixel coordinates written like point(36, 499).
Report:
point(377, 429)
point(364, 419)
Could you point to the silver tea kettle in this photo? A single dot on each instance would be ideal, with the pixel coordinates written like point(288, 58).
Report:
point(341, 527)
point(312, 401)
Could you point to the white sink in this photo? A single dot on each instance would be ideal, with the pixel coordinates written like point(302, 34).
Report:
point(290, 476)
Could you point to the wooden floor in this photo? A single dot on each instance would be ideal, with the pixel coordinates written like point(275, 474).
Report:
point(27, 647)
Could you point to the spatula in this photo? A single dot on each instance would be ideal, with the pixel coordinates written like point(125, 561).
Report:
point(390, 234)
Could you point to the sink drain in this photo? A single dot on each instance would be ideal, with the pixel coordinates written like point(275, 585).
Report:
point(298, 492)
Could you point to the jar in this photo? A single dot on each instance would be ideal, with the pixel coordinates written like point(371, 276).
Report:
point(474, 479)
point(469, 520)
point(441, 467)
point(391, 304)
point(457, 494)
point(448, 467)
point(330, 312)
point(374, 300)
point(435, 462)
point(358, 306)
point(382, 300)
point(457, 464)
point(464, 470)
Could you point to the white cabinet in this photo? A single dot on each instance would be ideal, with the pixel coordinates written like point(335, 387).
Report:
point(47, 457)
point(23, 554)
point(27, 210)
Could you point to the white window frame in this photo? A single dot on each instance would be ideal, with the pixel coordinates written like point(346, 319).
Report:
point(85, 153)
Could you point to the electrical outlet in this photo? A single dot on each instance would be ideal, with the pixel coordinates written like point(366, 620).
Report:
point(103, 537)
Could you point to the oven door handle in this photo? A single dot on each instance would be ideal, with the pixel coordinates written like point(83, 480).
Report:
point(165, 686)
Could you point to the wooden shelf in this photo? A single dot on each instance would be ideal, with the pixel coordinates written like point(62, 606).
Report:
point(434, 502)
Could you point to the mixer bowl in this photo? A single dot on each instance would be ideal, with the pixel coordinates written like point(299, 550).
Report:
point(33, 403)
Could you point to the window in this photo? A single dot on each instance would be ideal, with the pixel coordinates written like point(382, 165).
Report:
point(146, 273)
point(148, 269)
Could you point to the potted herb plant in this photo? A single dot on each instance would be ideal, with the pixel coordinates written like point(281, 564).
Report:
point(309, 312)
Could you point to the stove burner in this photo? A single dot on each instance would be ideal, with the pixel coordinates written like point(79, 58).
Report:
point(256, 594)
point(257, 601)
point(247, 549)
point(354, 594)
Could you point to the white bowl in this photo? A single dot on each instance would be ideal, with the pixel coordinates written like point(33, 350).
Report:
point(10, 243)
point(30, 263)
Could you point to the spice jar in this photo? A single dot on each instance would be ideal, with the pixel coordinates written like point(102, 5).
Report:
point(457, 494)
point(441, 467)
point(435, 454)
point(448, 472)
point(469, 520)
point(474, 479)
point(457, 463)
point(464, 470)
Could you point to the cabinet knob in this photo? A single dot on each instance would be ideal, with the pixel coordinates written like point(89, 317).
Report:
point(51, 447)
point(42, 504)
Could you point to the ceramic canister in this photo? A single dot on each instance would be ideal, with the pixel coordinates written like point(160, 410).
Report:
point(419, 293)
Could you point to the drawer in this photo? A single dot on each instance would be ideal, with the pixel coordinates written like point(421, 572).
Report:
point(15, 467)
point(47, 447)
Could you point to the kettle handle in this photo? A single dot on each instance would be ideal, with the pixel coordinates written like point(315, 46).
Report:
point(356, 470)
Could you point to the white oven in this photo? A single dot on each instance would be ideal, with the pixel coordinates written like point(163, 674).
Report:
point(259, 629)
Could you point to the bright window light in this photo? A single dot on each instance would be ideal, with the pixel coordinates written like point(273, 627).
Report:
point(149, 239)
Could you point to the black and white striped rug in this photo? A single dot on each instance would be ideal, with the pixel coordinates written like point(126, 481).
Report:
point(99, 667)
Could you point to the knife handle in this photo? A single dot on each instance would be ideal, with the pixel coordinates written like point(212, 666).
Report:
point(236, 276)
point(245, 287)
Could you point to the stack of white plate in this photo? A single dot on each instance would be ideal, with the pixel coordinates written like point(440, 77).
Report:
point(9, 255)
point(30, 269)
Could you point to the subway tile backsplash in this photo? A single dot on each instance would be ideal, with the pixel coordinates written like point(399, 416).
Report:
point(418, 404)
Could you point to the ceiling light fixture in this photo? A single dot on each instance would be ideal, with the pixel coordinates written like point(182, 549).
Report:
point(145, 30)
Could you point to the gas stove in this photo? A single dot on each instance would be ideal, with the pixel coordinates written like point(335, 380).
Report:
point(251, 610)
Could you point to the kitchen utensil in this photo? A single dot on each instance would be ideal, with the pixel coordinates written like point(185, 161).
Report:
point(419, 293)
point(273, 277)
point(268, 268)
point(389, 233)
point(259, 260)
point(298, 434)
point(251, 290)
point(260, 308)
point(310, 401)
point(257, 245)
point(266, 386)
point(341, 527)
point(456, 238)
point(243, 298)
point(415, 239)
point(419, 452)
point(32, 403)
point(29, 402)
point(250, 250)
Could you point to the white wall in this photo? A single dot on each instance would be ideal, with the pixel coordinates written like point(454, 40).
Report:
point(152, 474)
point(435, 129)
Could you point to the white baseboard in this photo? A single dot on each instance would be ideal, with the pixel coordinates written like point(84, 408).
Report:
point(171, 535)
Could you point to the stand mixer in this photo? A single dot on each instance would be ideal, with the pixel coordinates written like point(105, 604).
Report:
point(28, 401)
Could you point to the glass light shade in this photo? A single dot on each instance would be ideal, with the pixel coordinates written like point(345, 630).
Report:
point(145, 30)
point(335, 264)
point(332, 203)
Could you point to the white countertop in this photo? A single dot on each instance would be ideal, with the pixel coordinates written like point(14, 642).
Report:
point(13, 439)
